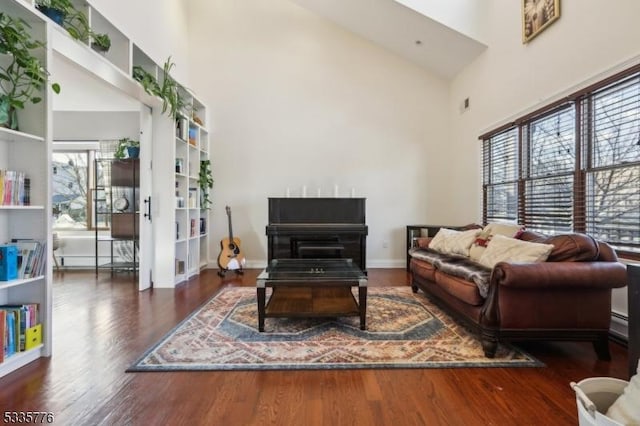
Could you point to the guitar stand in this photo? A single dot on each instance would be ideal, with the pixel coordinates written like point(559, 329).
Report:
point(223, 272)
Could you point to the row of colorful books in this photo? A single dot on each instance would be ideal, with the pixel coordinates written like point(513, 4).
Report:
point(31, 258)
point(22, 258)
point(19, 329)
point(15, 188)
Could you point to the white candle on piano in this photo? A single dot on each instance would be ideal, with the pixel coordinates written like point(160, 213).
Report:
point(318, 192)
point(353, 192)
point(287, 192)
point(335, 191)
point(304, 191)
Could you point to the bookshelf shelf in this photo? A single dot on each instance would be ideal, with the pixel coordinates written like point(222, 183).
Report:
point(12, 207)
point(20, 359)
point(9, 135)
point(16, 283)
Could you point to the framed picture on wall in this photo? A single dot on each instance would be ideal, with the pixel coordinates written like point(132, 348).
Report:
point(538, 15)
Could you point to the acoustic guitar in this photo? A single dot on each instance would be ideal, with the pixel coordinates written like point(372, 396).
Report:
point(231, 256)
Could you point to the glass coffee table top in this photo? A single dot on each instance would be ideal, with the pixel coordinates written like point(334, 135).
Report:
point(311, 270)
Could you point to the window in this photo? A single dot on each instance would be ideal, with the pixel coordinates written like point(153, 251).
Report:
point(571, 166)
point(548, 165)
point(70, 190)
point(73, 169)
point(613, 164)
point(500, 160)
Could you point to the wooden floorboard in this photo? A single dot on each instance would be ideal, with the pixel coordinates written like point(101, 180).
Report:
point(102, 325)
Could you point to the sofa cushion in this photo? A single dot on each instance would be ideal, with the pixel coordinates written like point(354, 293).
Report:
point(461, 289)
point(495, 228)
point(450, 241)
point(505, 249)
point(573, 247)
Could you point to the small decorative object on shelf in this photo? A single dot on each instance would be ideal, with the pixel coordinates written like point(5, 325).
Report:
point(192, 135)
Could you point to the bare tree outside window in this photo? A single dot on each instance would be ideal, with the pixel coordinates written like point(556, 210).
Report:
point(70, 173)
point(579, 167)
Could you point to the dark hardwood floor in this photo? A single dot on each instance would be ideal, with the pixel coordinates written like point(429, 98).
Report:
point(102, 325)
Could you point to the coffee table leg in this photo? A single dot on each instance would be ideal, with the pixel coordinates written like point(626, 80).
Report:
point(261, 304)
point(362, 296)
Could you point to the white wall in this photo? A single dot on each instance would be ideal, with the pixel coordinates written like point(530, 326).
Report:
point(591, 39)
point(296, 100)
point(158, 27)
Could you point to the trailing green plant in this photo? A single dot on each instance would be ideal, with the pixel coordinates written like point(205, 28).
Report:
point(123, 144)
point(147, 80)
point(76, 23)
point(22, 75)
point(205, 181)
point(169, 91)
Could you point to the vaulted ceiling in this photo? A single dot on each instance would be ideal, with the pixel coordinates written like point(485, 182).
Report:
point(403, 30)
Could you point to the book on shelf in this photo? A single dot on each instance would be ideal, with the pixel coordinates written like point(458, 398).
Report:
point(203, 226)
point(193, 198)
point(31, 257)
point(15, 188)
point(2, 334)
point(21, 328)
point(8, 262)
point(193, 228)
point(182, 128)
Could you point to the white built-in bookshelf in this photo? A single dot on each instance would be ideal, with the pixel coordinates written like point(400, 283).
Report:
point(25, 204)
point(191, 216)
point(29, 151)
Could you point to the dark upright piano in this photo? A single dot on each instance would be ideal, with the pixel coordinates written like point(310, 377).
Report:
point(317, 228)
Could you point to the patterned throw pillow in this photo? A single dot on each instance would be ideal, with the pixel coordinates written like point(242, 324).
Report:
point(478, 247)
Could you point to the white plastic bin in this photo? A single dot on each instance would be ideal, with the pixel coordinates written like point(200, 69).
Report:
point(594, 396)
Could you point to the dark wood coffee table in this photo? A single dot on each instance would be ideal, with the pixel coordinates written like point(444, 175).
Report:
point(310, 288)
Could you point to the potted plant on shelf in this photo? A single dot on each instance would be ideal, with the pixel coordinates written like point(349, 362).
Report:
point(64, 13)
point(22, 75)
point(205, 181)
point(101, 43)
point(56, 10)
point(129, 146)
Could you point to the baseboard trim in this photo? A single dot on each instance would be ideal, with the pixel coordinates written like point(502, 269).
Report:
point(619, 329)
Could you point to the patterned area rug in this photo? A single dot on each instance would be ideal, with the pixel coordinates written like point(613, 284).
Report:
point(404, 330)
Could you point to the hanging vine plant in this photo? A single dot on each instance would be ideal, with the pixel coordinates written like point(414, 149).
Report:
point(205, 181)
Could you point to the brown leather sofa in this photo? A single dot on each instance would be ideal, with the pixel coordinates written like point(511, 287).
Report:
point(567, 297)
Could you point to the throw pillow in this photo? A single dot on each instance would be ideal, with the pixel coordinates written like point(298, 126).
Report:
point(505, 249)
point(496, 228)
point(626, 409)
point(450, 241)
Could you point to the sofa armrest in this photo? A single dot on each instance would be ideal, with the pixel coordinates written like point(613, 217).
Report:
point(560, 275)
point(423, 242)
